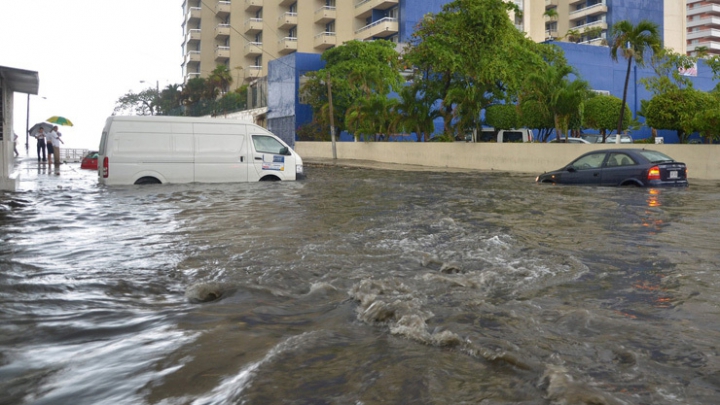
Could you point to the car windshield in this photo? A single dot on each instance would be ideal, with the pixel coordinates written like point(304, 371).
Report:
point(656, 157)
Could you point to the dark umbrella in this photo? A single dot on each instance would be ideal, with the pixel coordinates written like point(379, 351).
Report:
point(34, 130)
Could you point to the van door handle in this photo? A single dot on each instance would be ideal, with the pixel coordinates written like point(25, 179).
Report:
point(258, 158)
point(242, 158)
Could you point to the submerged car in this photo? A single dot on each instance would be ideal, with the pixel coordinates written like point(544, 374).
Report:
point(90, 161)
point(620, 167)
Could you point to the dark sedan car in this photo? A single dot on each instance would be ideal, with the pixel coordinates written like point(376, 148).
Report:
point(620, 167)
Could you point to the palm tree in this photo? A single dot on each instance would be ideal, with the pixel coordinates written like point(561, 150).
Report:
point(556, 95)
point(220, 79)
point(633, 41)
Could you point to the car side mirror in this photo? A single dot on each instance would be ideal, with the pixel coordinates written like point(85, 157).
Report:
point(285, 151)
point(571, 169)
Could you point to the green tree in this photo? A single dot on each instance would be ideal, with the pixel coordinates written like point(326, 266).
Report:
point(145, 102)
point(533, 114)
point(171, 100)
point(632, 41)
point(502, 116)
point(667, 66)
point(219, 80)
point(602, 112)
point(356, 71)
point(557, 95)
point(677, 110)
point(414, 113)
point(468, 56)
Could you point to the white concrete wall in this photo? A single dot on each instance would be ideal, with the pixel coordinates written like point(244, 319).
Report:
point(703, 161)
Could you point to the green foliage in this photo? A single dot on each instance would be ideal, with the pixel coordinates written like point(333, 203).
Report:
point(632, 42)
point(502, 116)
point(143, 103)
point(602, 113)
point(667, 65)
point(467, 57)
point(707, 120)
point(677, 110)
point(313, 131)
point(555, 94)
point(534, 115)
point(356, 70)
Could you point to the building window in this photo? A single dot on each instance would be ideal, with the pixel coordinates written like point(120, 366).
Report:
point(258, 60)
point(292, 32)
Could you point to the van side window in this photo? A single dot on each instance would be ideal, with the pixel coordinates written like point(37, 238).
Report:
point(267, 144)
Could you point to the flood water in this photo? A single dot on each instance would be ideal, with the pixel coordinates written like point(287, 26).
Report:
point(358, 286)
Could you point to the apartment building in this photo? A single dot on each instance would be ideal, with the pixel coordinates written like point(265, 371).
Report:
point(590, 21)
point(703, 26)
point(246, 34)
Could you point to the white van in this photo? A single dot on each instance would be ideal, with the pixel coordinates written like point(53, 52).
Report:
point(505, 135)
point(147, 150)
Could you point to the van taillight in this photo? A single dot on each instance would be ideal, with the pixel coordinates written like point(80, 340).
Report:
point(106, 167)
point(654, 173)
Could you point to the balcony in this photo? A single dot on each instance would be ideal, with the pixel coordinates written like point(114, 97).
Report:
point(325, 40)
point(382, 28)
point(222, 9)
point(364, 8)
point(287, 45)
point(253, 5)
point(713, 34)
point(222, 31)
point(191, 57)
point(706, 22)
point(285, 3)
point(551, 33)
point(252, 72)
point(325, 14)
point(253, 25)
point(573, 2)
point(713, 9)
point(222, 53)
point(593, 10)
point(551, 3)
point(253, 49)
point(287, 20)
point(193, 14)
point(599, 23)
point(192, 35)
point(192, 75)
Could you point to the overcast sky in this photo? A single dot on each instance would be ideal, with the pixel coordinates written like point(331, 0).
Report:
point(88, 53)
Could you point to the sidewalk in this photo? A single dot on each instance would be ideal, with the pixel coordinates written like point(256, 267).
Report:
point(370, 164)
point(41, 176)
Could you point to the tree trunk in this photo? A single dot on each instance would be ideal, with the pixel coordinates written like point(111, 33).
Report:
point(624, 99)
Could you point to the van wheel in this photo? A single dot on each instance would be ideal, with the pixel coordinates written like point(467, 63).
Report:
point(147, 180)
point(270, 178)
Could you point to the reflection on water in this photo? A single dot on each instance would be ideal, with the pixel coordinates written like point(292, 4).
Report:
point(357, 287)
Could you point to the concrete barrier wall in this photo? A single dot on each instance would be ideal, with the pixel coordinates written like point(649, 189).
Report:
point(703, 161)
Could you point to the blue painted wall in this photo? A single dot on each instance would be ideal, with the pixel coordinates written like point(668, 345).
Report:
point(595, 65)
point(412, 11)
point(285, 113)
point(635, 11)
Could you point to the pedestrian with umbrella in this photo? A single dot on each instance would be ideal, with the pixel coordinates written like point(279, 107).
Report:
point(56, 140)
point(40, 136)
point(54, 145)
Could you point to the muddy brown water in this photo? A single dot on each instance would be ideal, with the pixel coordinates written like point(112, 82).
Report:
point(358, 286)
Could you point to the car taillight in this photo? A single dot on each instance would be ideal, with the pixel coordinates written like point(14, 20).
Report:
point(654, 173)
point(106, 167)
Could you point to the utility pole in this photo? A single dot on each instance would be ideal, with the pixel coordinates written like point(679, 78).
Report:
point(332, 118)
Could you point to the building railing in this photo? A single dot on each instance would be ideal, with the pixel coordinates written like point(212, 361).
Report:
point(378, 22)
point(581, 10)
